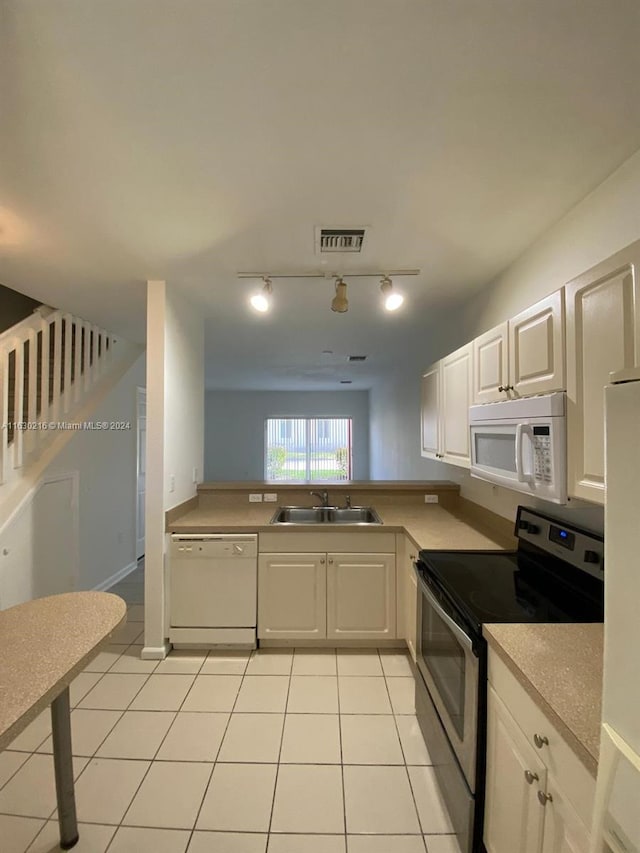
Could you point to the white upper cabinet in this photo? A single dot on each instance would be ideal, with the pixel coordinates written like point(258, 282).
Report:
point(523, 356)
point(602, 336)
point(446, 397)
point(491, 365)
point(536, 348)
point(430, 411)
point(455, 397)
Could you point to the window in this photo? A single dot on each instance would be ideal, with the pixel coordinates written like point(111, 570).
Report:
point(307, 449)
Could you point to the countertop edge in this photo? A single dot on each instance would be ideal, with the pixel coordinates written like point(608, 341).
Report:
point(572, 740)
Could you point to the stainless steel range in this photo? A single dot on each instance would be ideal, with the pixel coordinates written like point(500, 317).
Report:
point(556, 575)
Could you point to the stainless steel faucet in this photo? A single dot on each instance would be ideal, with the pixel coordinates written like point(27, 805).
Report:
point(324, 497)
point(347, 501)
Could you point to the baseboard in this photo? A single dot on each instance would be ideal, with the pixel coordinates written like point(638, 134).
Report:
point(155, 652)
point(117, 576)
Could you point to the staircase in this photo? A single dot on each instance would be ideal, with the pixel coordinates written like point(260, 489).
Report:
point(50, 365)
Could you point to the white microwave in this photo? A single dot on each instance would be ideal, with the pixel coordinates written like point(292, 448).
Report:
point(522, 445)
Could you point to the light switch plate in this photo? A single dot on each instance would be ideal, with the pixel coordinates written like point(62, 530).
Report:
point(431, 499)
point(270, 497)
point(255, 498)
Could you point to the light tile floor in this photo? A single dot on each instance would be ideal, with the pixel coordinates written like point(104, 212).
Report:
point(293, 751)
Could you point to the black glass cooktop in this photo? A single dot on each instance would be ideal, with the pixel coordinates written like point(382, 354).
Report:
point(511, 586)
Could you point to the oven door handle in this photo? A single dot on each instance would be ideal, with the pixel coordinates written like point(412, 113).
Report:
point(459, 634)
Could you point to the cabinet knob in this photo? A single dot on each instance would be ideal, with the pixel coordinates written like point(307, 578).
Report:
point(544, 798)
point(505, 388)
point(412, 557)
point(330, 561)
point(540, 741)
point(322, 561)
point(530, 777)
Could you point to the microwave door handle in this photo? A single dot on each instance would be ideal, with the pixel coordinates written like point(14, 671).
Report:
point(456, 630)
point(520, 430)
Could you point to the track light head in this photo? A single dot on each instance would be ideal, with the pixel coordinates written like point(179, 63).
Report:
point(261, 300)
point(392, 299)
point(340, 303)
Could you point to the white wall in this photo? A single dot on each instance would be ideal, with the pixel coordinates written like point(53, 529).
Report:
point(175, 436)
point(604, 222)
point(77, 530)
point(184, 398)
point(234, 427)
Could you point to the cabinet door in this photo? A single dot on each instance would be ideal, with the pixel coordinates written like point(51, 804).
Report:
point(361, 596)
point(513, 814)
point(602, 336)
point(536, 347)
point(455, 388)
point(564, 832)
point(491, 365)
point(430, 412)
point(292, 596)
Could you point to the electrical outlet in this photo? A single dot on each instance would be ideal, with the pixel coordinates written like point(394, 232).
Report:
point(255, 499)
point(172, 482)
point(270, 497)
point(431, 499)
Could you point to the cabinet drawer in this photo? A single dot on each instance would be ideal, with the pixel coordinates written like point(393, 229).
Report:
point(565, 766)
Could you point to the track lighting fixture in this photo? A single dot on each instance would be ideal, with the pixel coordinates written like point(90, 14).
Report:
point(392, 299)
point(340, 303)
point(261, 300)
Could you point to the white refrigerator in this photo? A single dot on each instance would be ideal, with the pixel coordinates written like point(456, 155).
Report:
point(616, 825)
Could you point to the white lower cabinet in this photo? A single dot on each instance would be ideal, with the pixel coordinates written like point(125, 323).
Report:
point(513, 816)
point(539, 796)
point(292, 596)
point(361, 596)
point(564, 832)
point(326, 595)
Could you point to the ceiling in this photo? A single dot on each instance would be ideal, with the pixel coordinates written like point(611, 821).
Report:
point(190, 140)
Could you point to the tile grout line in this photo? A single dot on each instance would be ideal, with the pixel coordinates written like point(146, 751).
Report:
point(215, 760)
point(284, 721)
point(406, 769)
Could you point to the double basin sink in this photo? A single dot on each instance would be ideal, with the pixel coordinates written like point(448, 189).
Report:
point(325, 515)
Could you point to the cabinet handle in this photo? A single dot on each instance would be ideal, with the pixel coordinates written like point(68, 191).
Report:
point(544, 798)
point(412, 557)
point(540, 741)
point(505, 388)
point(330, 561)
point(530, 777)
point(322, 561)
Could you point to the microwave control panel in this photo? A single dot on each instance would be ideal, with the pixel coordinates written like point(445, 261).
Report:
point(542, 468)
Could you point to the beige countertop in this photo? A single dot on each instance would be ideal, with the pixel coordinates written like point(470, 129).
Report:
point(45, 643)
point(429, 525)
point(560, 667)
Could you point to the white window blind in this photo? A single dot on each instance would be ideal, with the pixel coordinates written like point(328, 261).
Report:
point(307, 449)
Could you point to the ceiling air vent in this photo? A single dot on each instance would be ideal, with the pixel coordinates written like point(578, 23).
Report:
point(339, 240)
point(357, 358)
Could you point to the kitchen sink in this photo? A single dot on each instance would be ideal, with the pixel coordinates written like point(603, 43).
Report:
point(325, 515)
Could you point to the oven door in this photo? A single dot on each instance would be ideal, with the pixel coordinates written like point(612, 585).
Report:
point(451, 671)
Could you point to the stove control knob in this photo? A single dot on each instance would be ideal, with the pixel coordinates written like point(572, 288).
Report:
point(592, 557)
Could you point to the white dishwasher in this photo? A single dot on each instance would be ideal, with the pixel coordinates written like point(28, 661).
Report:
point(213, 589)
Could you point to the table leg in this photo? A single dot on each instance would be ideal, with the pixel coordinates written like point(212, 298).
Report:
point(63, 766)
